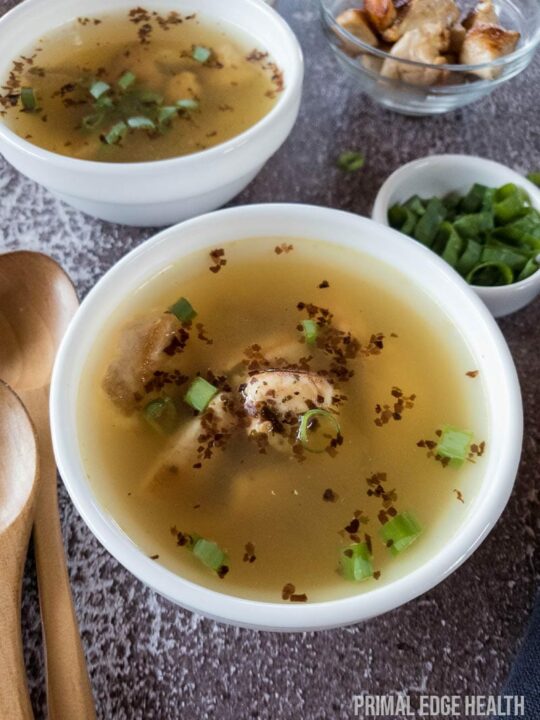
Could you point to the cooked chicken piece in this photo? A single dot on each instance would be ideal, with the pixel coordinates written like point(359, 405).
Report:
point(275, 396)
point(182, 452)
point(140, 353)
point(372, 63)
point(381, 13)
point(142, 64)
point(286, 392)
point(270, 398)
point(416, 14)
point(184, 86)
point(356, 22)
point(423, 45)
point(483, 14)
point(232, 67)
point(485, 43)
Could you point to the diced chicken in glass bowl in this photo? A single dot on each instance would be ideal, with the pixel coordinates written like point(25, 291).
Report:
point(423, 57)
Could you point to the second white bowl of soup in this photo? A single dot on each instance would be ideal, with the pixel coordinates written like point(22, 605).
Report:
point(146, 115)
point(286, 417)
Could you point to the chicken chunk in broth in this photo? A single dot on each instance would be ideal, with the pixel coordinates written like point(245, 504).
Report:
point(295, 425)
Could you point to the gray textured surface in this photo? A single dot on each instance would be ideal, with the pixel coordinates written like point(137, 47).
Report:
point(150, 660)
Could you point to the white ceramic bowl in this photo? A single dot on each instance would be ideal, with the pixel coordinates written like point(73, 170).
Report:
point(421, 266)
point(443, 174)
point(166, 191)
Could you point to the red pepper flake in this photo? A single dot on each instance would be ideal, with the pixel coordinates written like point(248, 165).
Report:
point(222, 571)
point(353, 526)
point(367, 540)
point(154, 557)
point(459, 495)
point(477, 450)
point(473, 373)
point(283, 248)
point(298, 598)
point(325, 284)
point(330, 496)
point(387, 413)
point(287, 591)
point(374, 346)
point(201, 334)
point(218, 259)
point(256, 56)
point(376, 574)
point(249, 555)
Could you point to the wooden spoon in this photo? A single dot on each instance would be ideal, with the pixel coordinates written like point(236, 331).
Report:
point(18, 475)
point(37, 301)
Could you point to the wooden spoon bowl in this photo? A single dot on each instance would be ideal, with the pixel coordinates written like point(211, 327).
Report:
point(18, 475)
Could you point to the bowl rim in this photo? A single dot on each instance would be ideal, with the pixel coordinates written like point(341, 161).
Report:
point(271, 615)
point(523, 50)
point(402, 173)
point(292, 87)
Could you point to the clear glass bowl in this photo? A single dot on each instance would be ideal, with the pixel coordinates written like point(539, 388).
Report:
point(459, 86)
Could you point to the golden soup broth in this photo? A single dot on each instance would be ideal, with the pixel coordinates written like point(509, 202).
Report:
point(221, 96)
point(274, 501)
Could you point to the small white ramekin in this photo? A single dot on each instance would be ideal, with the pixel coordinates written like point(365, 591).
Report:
point(438, 175)
point(419, 266)
point(167, 191)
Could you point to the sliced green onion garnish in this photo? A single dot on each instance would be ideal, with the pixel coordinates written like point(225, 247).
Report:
point(470, 257)
point(317, 429)
point(210, 554)
point(355, 562)
point(99, 88)
point(141, 123)
point(416, 205)
point(188, 104)
point(166, 114)
point(399, 532)
point(473, 202)
point(92, 122)
point(454, 444)
point(311, 331)
point(471, 226)
point(161, 414)
point(200, 394)
point(530, 268)
point(116, 133)
point(490, 274)
point(127, 80)
point(28, 98)
point(498, 252)
point(534, 177)
point(104, 102)
point(350, 161)
point(148, 97)
point(428, 225)
point(201, 54)
point(510, 203)
point(183, 310)
point(453, 244)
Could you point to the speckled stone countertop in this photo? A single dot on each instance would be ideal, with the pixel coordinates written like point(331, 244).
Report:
point(150, 660)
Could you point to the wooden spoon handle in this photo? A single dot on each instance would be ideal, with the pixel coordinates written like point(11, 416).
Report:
point(14, 698)
point(69, 695)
